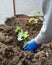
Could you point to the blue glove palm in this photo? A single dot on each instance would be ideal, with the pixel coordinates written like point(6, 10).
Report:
point(31, 45)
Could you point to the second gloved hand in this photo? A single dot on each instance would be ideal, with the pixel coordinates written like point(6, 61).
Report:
point(31, 45)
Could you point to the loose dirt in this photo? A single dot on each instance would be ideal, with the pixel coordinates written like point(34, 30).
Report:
point(11, 50)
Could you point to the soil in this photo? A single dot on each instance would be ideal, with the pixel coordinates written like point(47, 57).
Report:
point(11, 50)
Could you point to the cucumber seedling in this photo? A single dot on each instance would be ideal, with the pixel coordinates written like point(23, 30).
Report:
point(35, 20)
point(31, 20)
point(17, 29)
point(22, 35)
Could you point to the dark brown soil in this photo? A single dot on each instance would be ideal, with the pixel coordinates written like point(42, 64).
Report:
point(11, 50)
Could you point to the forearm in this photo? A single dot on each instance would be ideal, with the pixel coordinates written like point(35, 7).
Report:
point(46, 30)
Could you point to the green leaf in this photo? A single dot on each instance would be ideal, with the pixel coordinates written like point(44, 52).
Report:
point(22, 35)
point(41, 18)
point(36, 20)
point(31, 19)
point(17, 28)
point(19, 36)
point(25, 34)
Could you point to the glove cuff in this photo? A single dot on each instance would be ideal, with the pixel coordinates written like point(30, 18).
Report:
point(35, 44)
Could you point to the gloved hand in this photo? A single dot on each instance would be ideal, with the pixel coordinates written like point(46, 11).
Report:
point(30, 45)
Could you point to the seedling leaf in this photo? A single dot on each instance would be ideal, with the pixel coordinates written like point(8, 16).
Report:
point(36, 20)
point(19, 36)
point(17, 28)
point(25, 34)
point(31, 19)
point(41, 18)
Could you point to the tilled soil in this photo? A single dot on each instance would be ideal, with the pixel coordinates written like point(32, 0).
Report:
point(11, 50)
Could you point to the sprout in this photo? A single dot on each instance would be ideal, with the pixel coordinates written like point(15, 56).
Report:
point(18, 28)
point(31, 19)
point(22, 35)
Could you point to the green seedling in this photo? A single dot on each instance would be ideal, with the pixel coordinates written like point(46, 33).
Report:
point(25, 34)
point(18, 28)
point(19, 36)
point(41, 19)
point(31, 20)
point(36, 20)
point(22, 35)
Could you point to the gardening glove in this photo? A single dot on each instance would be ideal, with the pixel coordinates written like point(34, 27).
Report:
point(30, 45)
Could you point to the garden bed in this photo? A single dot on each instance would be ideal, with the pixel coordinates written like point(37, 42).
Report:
point(11, 50)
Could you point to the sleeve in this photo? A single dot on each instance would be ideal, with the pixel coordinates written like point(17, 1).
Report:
point(45, 33)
